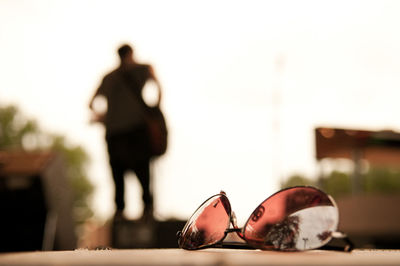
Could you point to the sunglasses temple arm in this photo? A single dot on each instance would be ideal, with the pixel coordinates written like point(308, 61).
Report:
point(347, 244)
point(233, 246)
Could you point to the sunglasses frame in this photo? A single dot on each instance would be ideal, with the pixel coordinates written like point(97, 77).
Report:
point(346, 245)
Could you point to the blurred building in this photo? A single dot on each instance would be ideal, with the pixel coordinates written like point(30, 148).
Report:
point(372, 220)
point(380, 148)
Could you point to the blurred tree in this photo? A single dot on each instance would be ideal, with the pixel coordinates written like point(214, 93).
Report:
point(297, 180)
point(375, 180)
point(19, 133)
point(386, 180)
point(336, 184)
point(13, 128)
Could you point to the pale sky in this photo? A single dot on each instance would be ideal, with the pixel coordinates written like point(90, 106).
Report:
point(244, 84)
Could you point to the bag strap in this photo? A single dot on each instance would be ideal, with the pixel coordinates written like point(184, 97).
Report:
point(127, 79)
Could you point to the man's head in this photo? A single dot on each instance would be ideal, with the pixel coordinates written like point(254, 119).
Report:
point(125, 53)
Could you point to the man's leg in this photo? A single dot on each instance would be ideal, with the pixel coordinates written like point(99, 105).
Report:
point(143, 173)
point(118, 177)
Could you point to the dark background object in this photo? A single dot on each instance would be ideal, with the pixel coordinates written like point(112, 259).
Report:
point(35, 203)
point(23, 215)
point(139, 234)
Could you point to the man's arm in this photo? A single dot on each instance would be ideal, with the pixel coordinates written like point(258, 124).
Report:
point(97, 115)
point(153, 77)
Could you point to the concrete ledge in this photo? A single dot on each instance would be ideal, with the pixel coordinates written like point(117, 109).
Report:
point(201, 257)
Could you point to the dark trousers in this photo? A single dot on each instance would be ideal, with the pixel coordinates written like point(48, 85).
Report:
point(128, 151)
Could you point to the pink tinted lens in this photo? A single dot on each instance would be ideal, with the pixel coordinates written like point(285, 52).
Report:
point(208, 224)
point(297, 218)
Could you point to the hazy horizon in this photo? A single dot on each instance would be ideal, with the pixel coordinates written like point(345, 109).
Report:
point(244, 84)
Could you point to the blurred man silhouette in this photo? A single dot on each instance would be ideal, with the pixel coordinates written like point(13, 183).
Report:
point(126, 131)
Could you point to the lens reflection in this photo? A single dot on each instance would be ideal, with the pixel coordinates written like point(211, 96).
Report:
point(298, 218)
point(208, 224)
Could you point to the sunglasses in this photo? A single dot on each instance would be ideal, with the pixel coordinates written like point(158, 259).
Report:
point(293, 219)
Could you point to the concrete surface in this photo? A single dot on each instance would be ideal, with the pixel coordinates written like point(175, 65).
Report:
point(200, 257)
